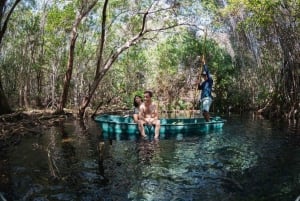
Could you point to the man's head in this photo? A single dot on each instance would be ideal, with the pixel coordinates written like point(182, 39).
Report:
point(148, 95)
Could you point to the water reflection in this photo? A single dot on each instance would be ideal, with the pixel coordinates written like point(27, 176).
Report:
point(147, 150)
point(57, 166)
point(294, 132)
point(250, 159)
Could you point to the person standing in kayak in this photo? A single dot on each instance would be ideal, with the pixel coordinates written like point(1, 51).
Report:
point(206, 88)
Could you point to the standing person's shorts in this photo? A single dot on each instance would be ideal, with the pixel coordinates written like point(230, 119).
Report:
point(205, 104)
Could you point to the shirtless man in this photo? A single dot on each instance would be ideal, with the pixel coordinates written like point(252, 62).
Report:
point(148, 114)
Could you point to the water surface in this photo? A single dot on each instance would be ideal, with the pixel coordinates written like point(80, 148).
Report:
point(249, 159)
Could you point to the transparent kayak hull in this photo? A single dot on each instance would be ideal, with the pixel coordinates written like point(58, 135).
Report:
point(124, 124)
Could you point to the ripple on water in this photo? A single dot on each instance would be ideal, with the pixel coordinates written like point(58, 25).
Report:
point(248, 160)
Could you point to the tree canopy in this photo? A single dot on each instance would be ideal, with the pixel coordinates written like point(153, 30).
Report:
point(79, 54)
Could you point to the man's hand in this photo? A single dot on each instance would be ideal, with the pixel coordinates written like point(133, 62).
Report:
point(150, 120)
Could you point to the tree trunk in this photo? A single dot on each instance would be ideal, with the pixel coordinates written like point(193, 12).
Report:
point(68, 75)
point(27, 95)
point(4, 106)
point(103, 67)
point(289, 41)
point(103, 71)
point(53, 84)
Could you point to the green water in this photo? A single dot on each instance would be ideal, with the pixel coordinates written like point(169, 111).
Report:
point(250, 159)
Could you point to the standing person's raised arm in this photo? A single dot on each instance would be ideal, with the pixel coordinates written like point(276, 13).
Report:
point(205, 68)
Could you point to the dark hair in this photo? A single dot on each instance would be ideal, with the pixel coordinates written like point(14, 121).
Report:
point(148, 92)
point(134, 102)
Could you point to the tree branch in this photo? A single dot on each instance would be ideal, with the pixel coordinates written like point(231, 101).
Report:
point(4, 27)
point(102, 38)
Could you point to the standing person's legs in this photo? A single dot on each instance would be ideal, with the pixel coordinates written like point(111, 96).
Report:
point(205, 105)
point(206, 116)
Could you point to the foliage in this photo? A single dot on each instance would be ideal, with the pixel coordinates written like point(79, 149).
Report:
point(261, 67)
point(271, 38)
point(179, 69)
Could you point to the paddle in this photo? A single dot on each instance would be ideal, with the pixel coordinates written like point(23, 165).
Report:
point(202, 61)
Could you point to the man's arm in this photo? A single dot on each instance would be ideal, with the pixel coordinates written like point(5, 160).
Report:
point(155, 113)
point(205, 68)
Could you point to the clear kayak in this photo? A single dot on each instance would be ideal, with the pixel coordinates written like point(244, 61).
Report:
point(124, 124)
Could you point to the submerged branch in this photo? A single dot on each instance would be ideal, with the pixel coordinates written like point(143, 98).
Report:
point(2, 197)
point(54, 171)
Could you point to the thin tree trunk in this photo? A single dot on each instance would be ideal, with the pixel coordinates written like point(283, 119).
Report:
point(102, 70)
point(4, 106)
point(68, 75)
point(26, 94)
point(102, 67)
point(53, 84)
point(3, 21)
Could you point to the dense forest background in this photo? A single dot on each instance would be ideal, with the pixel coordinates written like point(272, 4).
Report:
point(83, 54)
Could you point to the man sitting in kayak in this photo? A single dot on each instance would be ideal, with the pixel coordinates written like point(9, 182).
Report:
point(148, 114)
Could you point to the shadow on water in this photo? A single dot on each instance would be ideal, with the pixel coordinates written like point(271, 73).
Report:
point(250, 159)
point(294, 132)
point(58, 165)
point(276, 157)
